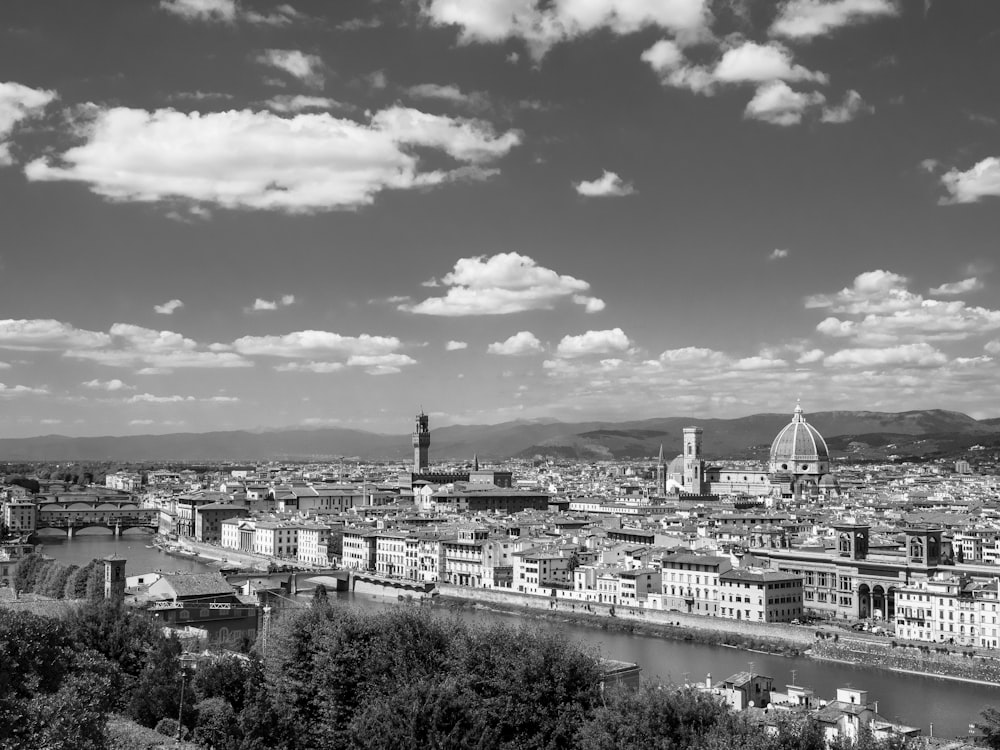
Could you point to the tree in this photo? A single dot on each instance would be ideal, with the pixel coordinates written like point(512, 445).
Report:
point(217, 726)
point(990, 727)
point(320, 598)
point(157, 691)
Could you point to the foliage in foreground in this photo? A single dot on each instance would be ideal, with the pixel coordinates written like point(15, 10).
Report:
point(339, 678)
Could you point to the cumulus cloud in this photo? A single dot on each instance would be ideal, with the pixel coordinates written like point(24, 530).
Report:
point(918, 354)
point(127, 345)
point(778, 254)
point(328, 351)
point(294, 103)
point(454, 346)
point(520, 344)
point(612, 341)
point(888, 313)
point(872, 292)
point(502, 284)
point(229, 11)
point(805, 19)
point(849, 109)
point(992, 347)
point(265, 305)
point(776, 103)
point(16, 391)
point(168, 308)
point(18, 103)
point(260, 160)
point(107, 385)
point(957, 287)
point(608, 185)
point(476, 101)
point(47, 334)
point(746, 63)
point(304, 67)
point(149, 398)
point(542, 24)
point(980, 181)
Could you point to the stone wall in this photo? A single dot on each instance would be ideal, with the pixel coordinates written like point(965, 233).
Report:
point(934, 659)
point(798, 635)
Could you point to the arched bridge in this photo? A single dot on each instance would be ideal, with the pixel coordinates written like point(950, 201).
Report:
point(117, 515)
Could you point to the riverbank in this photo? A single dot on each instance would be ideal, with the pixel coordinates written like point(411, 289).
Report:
point(766, 638)
point(753, 637)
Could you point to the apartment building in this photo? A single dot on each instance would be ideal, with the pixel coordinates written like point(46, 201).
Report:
point(951, 609)
point(691, 582)
point(760, 595)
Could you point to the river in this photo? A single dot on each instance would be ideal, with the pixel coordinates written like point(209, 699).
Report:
point(949, 705)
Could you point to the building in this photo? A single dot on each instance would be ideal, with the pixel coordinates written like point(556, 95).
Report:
point(691, 582)
point(20, 517)
point(360, 549)
point(952, 609)
point(208, 520)
point(421, 443)
point(800, 460)
point(486, 498)
point(760, 595)
point(206, 602)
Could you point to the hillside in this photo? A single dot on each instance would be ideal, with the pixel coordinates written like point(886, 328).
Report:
point(748, 436)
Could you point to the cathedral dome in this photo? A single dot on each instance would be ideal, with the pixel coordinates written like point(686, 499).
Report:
point(799, 448)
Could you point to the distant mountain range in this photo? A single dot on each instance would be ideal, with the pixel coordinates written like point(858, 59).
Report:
point(858, 432)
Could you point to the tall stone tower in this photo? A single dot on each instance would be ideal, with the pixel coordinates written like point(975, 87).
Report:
point(661, 474)
point(114, 578)
point(421, 442)
point(693, 465)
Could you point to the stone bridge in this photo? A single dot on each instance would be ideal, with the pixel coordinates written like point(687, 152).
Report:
point(117, 515)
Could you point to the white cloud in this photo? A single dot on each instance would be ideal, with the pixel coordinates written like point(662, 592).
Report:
point(474, 100)
point(612, 341)
point(849, 109)
point(259, 160)
point(315, 367)
point(543, 24)
point(888, 313)
point(520, 344)
point(47, 334)
point(805, 19)
point(982, 180)
point(287, 299)
point(127, 345)
point(141, 421)
point(16, 391)
point(107, 385)
point(918, 355)
point(747, 63)
point(305, 67)
point(872, 292)
point(18, 103)
point(454, 346)
point(778, 254)
point(502, 284)
point(810, 356)
point(168, 308)
point(377, 355)
point(607, 185)
point(760, 63)
point(992, 347)
point(776, 103)
point(294, 103)
point(590, 304)
point(260, 305)
point(149, 398)
point(958, 287)
point(229, 11)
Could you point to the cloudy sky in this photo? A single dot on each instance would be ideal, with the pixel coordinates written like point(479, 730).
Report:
point(225, 214)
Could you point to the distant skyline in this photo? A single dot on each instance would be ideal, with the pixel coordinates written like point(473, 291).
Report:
point(231, 215)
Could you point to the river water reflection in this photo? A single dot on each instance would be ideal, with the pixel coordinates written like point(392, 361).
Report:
point(911, 699)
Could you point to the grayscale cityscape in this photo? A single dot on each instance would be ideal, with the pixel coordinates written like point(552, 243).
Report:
point(500, 374)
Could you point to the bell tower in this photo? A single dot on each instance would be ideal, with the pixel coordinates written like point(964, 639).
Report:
point(693, 465)
point(421, 443)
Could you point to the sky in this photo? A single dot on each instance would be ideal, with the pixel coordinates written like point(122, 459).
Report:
point(225, 214)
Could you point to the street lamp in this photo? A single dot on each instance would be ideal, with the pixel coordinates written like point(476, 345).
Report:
point(184, 660)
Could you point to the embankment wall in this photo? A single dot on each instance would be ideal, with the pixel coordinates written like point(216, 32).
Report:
point(797, 635)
